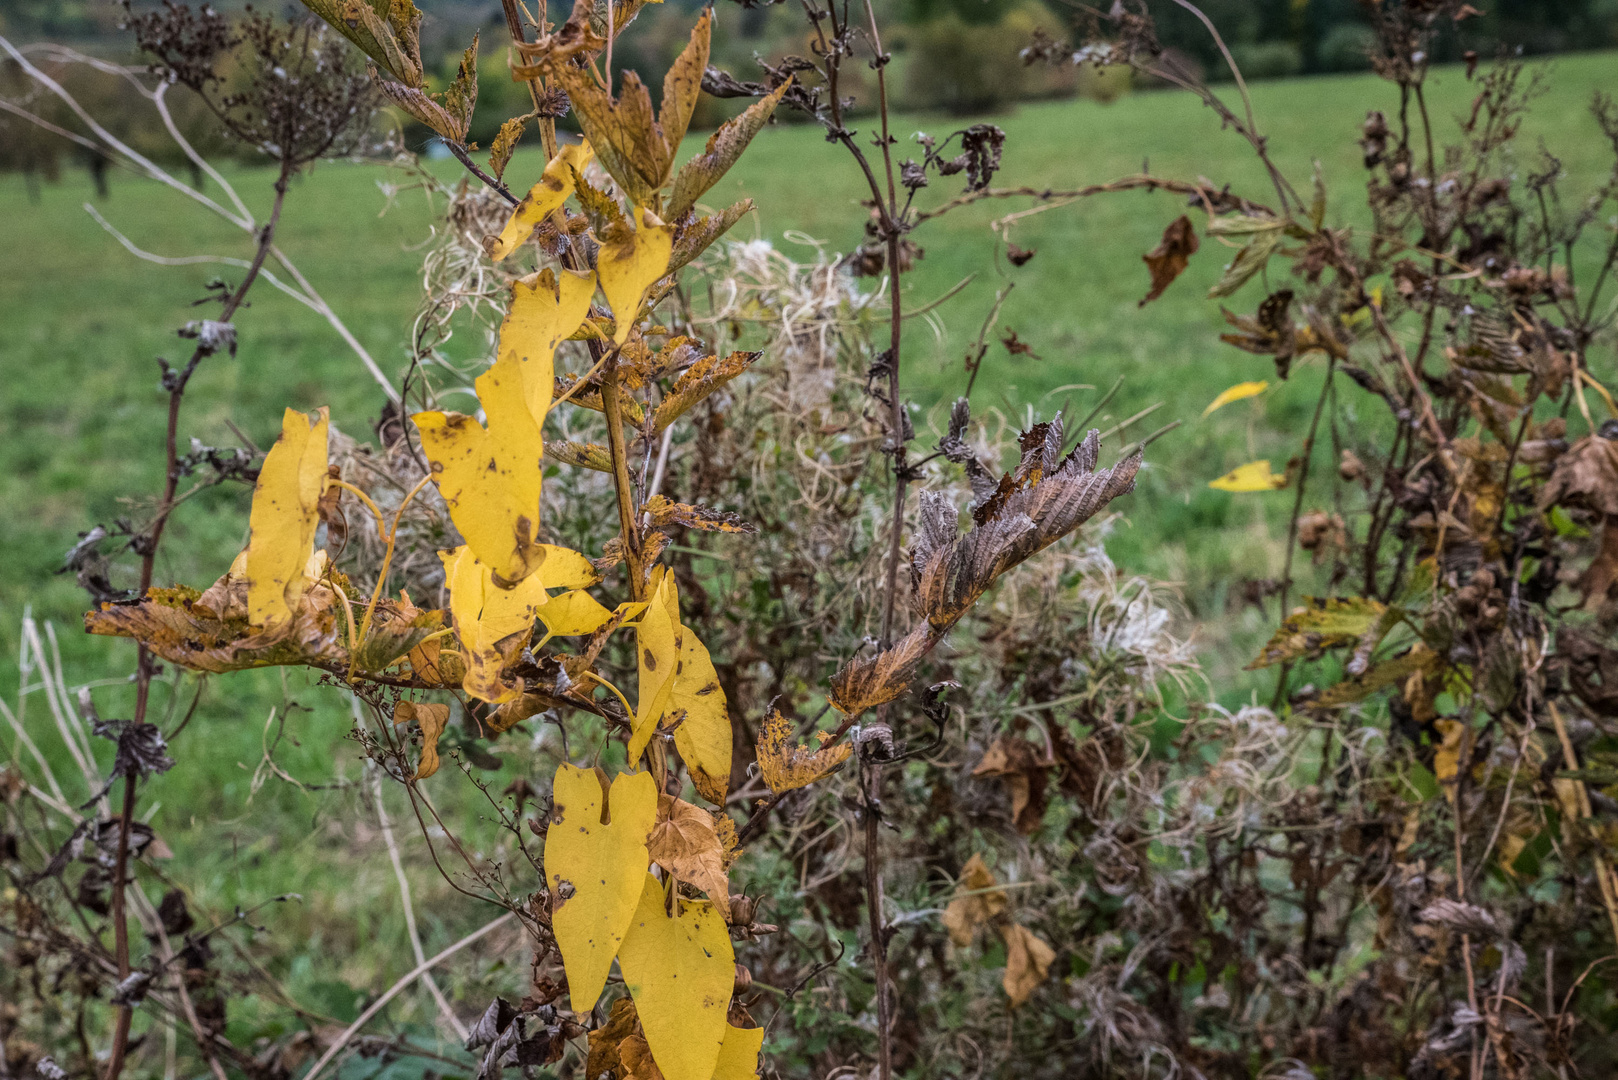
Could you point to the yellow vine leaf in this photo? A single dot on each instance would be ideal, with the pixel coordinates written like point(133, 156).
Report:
point(595, 865)
point(657, 648)
point(1254, 476)
point(490, 478)
point(555, 185)
point(433, 719)
point(738, 1054)
point(284, 516)
point(680, 970)
point(1236, 393)
point(686, 843)
point(787, 764)
point(629, 266)
point(545, 309)
point(703, 736)
point(573, 613)
point(492, 623)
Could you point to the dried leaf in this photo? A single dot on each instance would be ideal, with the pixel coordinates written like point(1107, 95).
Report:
point(554, 186)
point(683, 84)
point(697, 382)
point(1318, 625)
point(1236, 393)
point(977, 902)
point(433, 718)
point(1248, 262)
point(724, 147)
point(1028, 962)
point(685, 843)
point(285, 514)
point(490, 478)
point(388, 32)
point(629, 266)
point(703, 736)
point(664, 511)
point(607, 1040)
point(680, 969)
point(1026, 776)
point(692, 238)
point(545, 309)
point(1170, 257)
point(505, 143)
point(657, 647)
point(595, 865)
point(787, 764)
point(580, 455)
point(1254, 476)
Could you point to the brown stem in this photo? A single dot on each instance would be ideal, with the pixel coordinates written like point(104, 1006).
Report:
point(176, 382)
point(472, 167)
point(1297, 508)
point(874, 905)
point(620, 474)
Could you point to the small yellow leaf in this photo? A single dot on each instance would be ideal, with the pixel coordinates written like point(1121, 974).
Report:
point(686, 844)
point(680, 970)
point(657, 648)
point(1236, 393)
point(545, 309)
point(786, 764)
point(572, 613)
point(1028, 961)
point(1254, 476)
point(492, 623)
point(433, 718)
point(285, 514)
point(554, 186)
point(490, 478)
point(629, 266)
point(595, 869)
point(703, 737)
point(738, 1055)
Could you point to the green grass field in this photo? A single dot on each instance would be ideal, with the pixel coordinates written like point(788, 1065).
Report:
point(82, 321)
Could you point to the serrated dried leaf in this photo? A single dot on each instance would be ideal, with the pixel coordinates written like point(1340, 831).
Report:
point(284, 516)
point(697, 382)
point(692, 238)
point(580, 455)
point(505, 143)
point(724, 147)
point(433, 718)
point(977, 901)
point(595, 865)
point(1318, 625)
point(664, 511)
point(1170, 257)
point(685, 843)
point(388, 31)
point(554, 186)
point(787, 764)
point(1248, 262)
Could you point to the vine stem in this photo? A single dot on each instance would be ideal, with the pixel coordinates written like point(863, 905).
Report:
point(176, 382)
point(1297, 508)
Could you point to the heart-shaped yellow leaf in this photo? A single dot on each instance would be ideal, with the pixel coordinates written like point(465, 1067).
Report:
point(572, 613)
point(546, 308)
point(680, 970)
point(657, 647)
point(596, 870)
point(629, 266)
point(490, 477)
point(555, 185)
point(703, 736)
point(492, 623)
point(284, 517)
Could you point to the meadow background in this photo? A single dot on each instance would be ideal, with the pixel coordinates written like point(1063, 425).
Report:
point(81, 321)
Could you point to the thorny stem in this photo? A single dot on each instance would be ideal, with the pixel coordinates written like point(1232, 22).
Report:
point(144, 667)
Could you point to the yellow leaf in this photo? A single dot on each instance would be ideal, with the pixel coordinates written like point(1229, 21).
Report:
point(977, 901)
point(629, 266)
point(283, 519)
point(572, 613)
point(703, 737)
point(492, 623)
point(555, 185)
point(1237, 393)
point(490, 478)
point(564, 568)
point(686, 843)
point(545, 310)
point(738, 1054)
point(595, 869)
point(1254, 476)
point(657, 648)
point(1028, 961)
point(433, 718)
point(680, 970)
point(1447, 758)
point(786, 766)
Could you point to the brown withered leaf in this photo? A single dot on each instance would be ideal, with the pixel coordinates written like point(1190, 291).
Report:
point(693, 236)
point(876, 680)
point(582, 455)
point(505, 143)
point(724, 147)
point(697, 382)
point(1028, 962)
point(1016, 346)
point(606, 1041)
point(665, 511)
point(1586, 477)
point(331, 514)
point(433, 718)
point(788, 764)
point(1026, 775)
point(635, 1060)
point(977, 901)
point(1598, 580)
point(1171, 256)
point(686, 844)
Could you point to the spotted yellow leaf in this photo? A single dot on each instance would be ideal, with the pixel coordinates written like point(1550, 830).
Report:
point(572, 613)
point(680, 969)
point(555, 185)
point(703, 736)
point(787, 764)
point(490, 477)
point(546, 308)
point(1236, 393)
point(657, 647)
point(433, 718)
point(1254, 476)
point(738, 1054)
point(596, 869)
point(284, 517)
point(627, 267)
